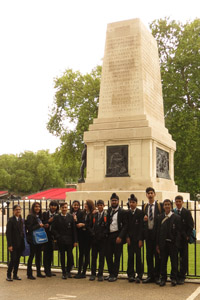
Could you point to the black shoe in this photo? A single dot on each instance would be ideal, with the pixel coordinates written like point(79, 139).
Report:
point(92, 277)
point(16, 277)
point(173, 282)
point(64, 276)
point(53, 274)
point(180, 281)
point(112, 279)
point(137, 280)
point(31, 277)
point(80, 275)
point(77, 276)
point(100, 278)
point(131, 279)
point(9, 278)
point(162, 282)
point(69, 275)
point(157, 281)
point(148, 280)
point(40, 275)
point(48, 275)
point(83, 275)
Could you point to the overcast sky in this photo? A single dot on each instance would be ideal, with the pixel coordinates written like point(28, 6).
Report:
point(41, 38)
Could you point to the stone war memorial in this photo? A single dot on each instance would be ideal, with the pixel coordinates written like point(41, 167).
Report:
point(128, 146)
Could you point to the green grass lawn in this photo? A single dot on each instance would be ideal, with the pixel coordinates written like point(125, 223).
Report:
point(194, 251)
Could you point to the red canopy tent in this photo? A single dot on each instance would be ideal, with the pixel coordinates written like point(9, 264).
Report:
point(51, 194)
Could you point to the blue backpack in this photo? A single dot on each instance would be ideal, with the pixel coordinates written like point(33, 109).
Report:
point(39, 236)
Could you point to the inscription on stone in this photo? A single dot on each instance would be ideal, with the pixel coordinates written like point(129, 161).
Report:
point(120, 78)
point(117, 161)
point(162, 164)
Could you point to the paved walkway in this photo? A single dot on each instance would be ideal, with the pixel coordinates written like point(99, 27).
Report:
point(55, 288)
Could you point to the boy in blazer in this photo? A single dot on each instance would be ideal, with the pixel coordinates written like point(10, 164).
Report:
point(151, 212)
point(47, 219)
point(168, 241)
point(116, 228)
point(187, 227)
point(64, 231)
point(15, 241)
point(99, 241)
point(134, 239)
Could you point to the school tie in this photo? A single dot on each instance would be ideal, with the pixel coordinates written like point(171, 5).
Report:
point(179, 212)
point(151, 213)
point(99, 217)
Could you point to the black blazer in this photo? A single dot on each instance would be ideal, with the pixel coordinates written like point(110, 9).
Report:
point(64, 229)
point(157, 213)
point(99, 227)
point(187, 224)
point(45, 220)
point(172, 227)
point(87, 219)
point(31, 225)
point(122, 222)
point(15, 234)
point(135, 225)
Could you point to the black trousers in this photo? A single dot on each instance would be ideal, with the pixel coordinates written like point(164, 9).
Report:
point(169, 250)
point(35, 250)
point(48, 256)
point(66, 248)
point(85, 243)
point(113, 249)
point(14, 262)
point(183, 254)
point(151, 254)
point(98, 246)
point(133, 250)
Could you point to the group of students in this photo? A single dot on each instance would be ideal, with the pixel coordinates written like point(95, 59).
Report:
point(165, 231)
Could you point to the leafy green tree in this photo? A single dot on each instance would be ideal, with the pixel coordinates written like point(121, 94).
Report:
point(30, 172)
point(76, 103)
point(179, 46)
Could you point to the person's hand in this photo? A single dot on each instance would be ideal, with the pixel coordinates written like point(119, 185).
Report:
point(118, 240)
point(140, 244)
point(75, 218)
point(75, 244)
point(79, 225)
point(41, 225)
point(10, 248)
point(158, 249)
point(50, 220)
point(145, 218)
point(128, 240)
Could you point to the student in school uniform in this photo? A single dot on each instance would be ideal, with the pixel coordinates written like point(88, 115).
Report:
point(33, 222)
point(47, 218)
point(84, 226)
point(151, 211)
point(99, 241)
point(64, 231)
point(15, 242)
point(116, 228)
point(187, 224)
point(134, 239)
point(168, 241)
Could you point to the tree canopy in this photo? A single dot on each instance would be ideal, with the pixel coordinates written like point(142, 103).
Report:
point(179, 50)
point(77, 96)
point(29, 172)
point(76, 102)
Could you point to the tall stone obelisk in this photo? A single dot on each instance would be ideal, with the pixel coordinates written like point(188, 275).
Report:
point(128, 146)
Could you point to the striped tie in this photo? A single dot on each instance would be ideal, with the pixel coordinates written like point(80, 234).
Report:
point(150, 213)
